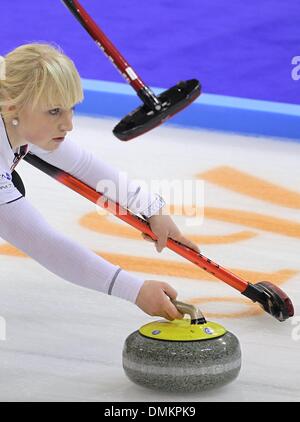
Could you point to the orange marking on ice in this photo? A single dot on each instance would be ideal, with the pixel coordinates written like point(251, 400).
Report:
point(189, 270)
point(246, 218)
point(172, 268)
point(249, 219)
point(254, 220)
point(10, 250)
point(252, 186)
point(101, 224)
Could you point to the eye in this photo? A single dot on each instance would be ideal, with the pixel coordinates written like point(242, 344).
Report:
point(54, 112)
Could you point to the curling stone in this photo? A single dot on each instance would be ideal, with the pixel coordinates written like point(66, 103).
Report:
point(188, 355)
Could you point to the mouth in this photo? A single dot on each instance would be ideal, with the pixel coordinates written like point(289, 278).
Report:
point(58, 139)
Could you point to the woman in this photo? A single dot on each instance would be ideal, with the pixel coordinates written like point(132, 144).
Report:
point(37, 97)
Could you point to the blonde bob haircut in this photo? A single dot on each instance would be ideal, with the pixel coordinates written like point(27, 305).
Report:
point(38, 75)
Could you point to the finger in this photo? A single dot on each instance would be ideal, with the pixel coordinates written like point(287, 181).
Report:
point(166, 316)
point(189, 243)
point(147, 237)
point(169, 291)
point(161, 242)
point(172, 311)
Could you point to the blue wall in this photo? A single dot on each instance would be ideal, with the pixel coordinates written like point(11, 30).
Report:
point(234, 48)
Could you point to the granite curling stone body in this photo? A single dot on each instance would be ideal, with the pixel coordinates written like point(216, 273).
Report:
point(188, 355)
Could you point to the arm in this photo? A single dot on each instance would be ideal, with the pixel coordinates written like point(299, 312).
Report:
point(103, 177)
point(25, 228)
point(82, 164)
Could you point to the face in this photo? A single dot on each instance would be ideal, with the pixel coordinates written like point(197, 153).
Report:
point(41, 126)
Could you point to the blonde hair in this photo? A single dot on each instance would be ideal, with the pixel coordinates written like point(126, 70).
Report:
point(39, 74)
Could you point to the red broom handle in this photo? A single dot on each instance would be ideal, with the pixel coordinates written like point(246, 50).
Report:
point(105, 44)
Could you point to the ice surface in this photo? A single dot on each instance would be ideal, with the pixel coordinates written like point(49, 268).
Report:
point(64, 342)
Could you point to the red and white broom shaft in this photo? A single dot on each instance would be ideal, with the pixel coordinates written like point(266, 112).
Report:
point(113, 53)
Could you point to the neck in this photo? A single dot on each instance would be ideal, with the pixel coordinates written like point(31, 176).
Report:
point(13, 137)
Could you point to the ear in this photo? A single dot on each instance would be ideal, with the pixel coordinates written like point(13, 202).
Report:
point(9, 109)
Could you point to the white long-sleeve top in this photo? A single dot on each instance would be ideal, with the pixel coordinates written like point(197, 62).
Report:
point(23, 226)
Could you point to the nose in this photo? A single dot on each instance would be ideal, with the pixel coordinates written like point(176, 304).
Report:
point(66, 124)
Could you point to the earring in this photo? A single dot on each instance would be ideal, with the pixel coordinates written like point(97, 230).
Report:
point(15, 122)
